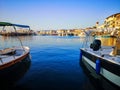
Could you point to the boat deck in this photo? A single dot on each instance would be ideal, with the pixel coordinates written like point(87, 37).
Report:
point(4, 59)
point(105, 52)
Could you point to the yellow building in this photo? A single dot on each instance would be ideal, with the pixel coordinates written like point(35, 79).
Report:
point(101, 26)
point(113, 21)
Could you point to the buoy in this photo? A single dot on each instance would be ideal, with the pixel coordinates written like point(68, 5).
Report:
point(80, 55)
point(98, 66)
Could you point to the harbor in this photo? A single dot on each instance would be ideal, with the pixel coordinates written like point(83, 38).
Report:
point(58, 57)
point(59, 45)
point(55, 64)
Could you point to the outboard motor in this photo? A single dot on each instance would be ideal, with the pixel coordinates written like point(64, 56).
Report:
point(96, 45)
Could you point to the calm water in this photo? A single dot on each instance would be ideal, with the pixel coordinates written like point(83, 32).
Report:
point(55, 65)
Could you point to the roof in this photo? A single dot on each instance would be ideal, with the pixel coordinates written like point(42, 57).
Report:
point(112, 15)
point(10, 24)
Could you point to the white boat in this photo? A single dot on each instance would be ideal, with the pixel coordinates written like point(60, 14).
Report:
point(10, 58)
point(104, 60)
point(13, 55)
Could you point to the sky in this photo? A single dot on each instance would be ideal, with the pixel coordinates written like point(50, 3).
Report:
point(57, 14)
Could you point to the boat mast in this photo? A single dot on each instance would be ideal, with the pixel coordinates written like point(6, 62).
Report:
point(14, 26)
point(3, 28)
point(87, 38)
point(18, 37)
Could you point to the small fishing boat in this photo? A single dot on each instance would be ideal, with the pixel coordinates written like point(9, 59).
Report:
point(104, 60)
point(13, 55)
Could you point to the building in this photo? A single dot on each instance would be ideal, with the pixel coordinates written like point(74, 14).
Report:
point(113, 21)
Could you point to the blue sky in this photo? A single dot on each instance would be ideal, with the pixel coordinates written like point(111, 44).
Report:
point(57, 14)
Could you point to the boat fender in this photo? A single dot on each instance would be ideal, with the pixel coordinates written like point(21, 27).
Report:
point(80, 55)
point(98, 66)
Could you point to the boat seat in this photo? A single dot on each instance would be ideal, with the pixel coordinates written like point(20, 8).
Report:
point(7, 51)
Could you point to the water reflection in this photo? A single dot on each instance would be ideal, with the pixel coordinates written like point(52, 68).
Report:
point(23, 38)
point(9, 41)
point(9, 76)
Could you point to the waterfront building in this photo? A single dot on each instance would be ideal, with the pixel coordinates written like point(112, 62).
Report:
point(79, 32)
point(110, 27)
point(53, 32)
point(62, 32)
point(113, 21)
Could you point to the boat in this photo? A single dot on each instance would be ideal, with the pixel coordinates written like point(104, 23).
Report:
point(15, 54)
point(105, 60)
point(96, 81)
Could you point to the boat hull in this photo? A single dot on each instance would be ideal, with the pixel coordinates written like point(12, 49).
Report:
point(15, 60)
point(11, 75)
point(108, 69)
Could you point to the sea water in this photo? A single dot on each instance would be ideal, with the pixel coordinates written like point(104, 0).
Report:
point(55, 65)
